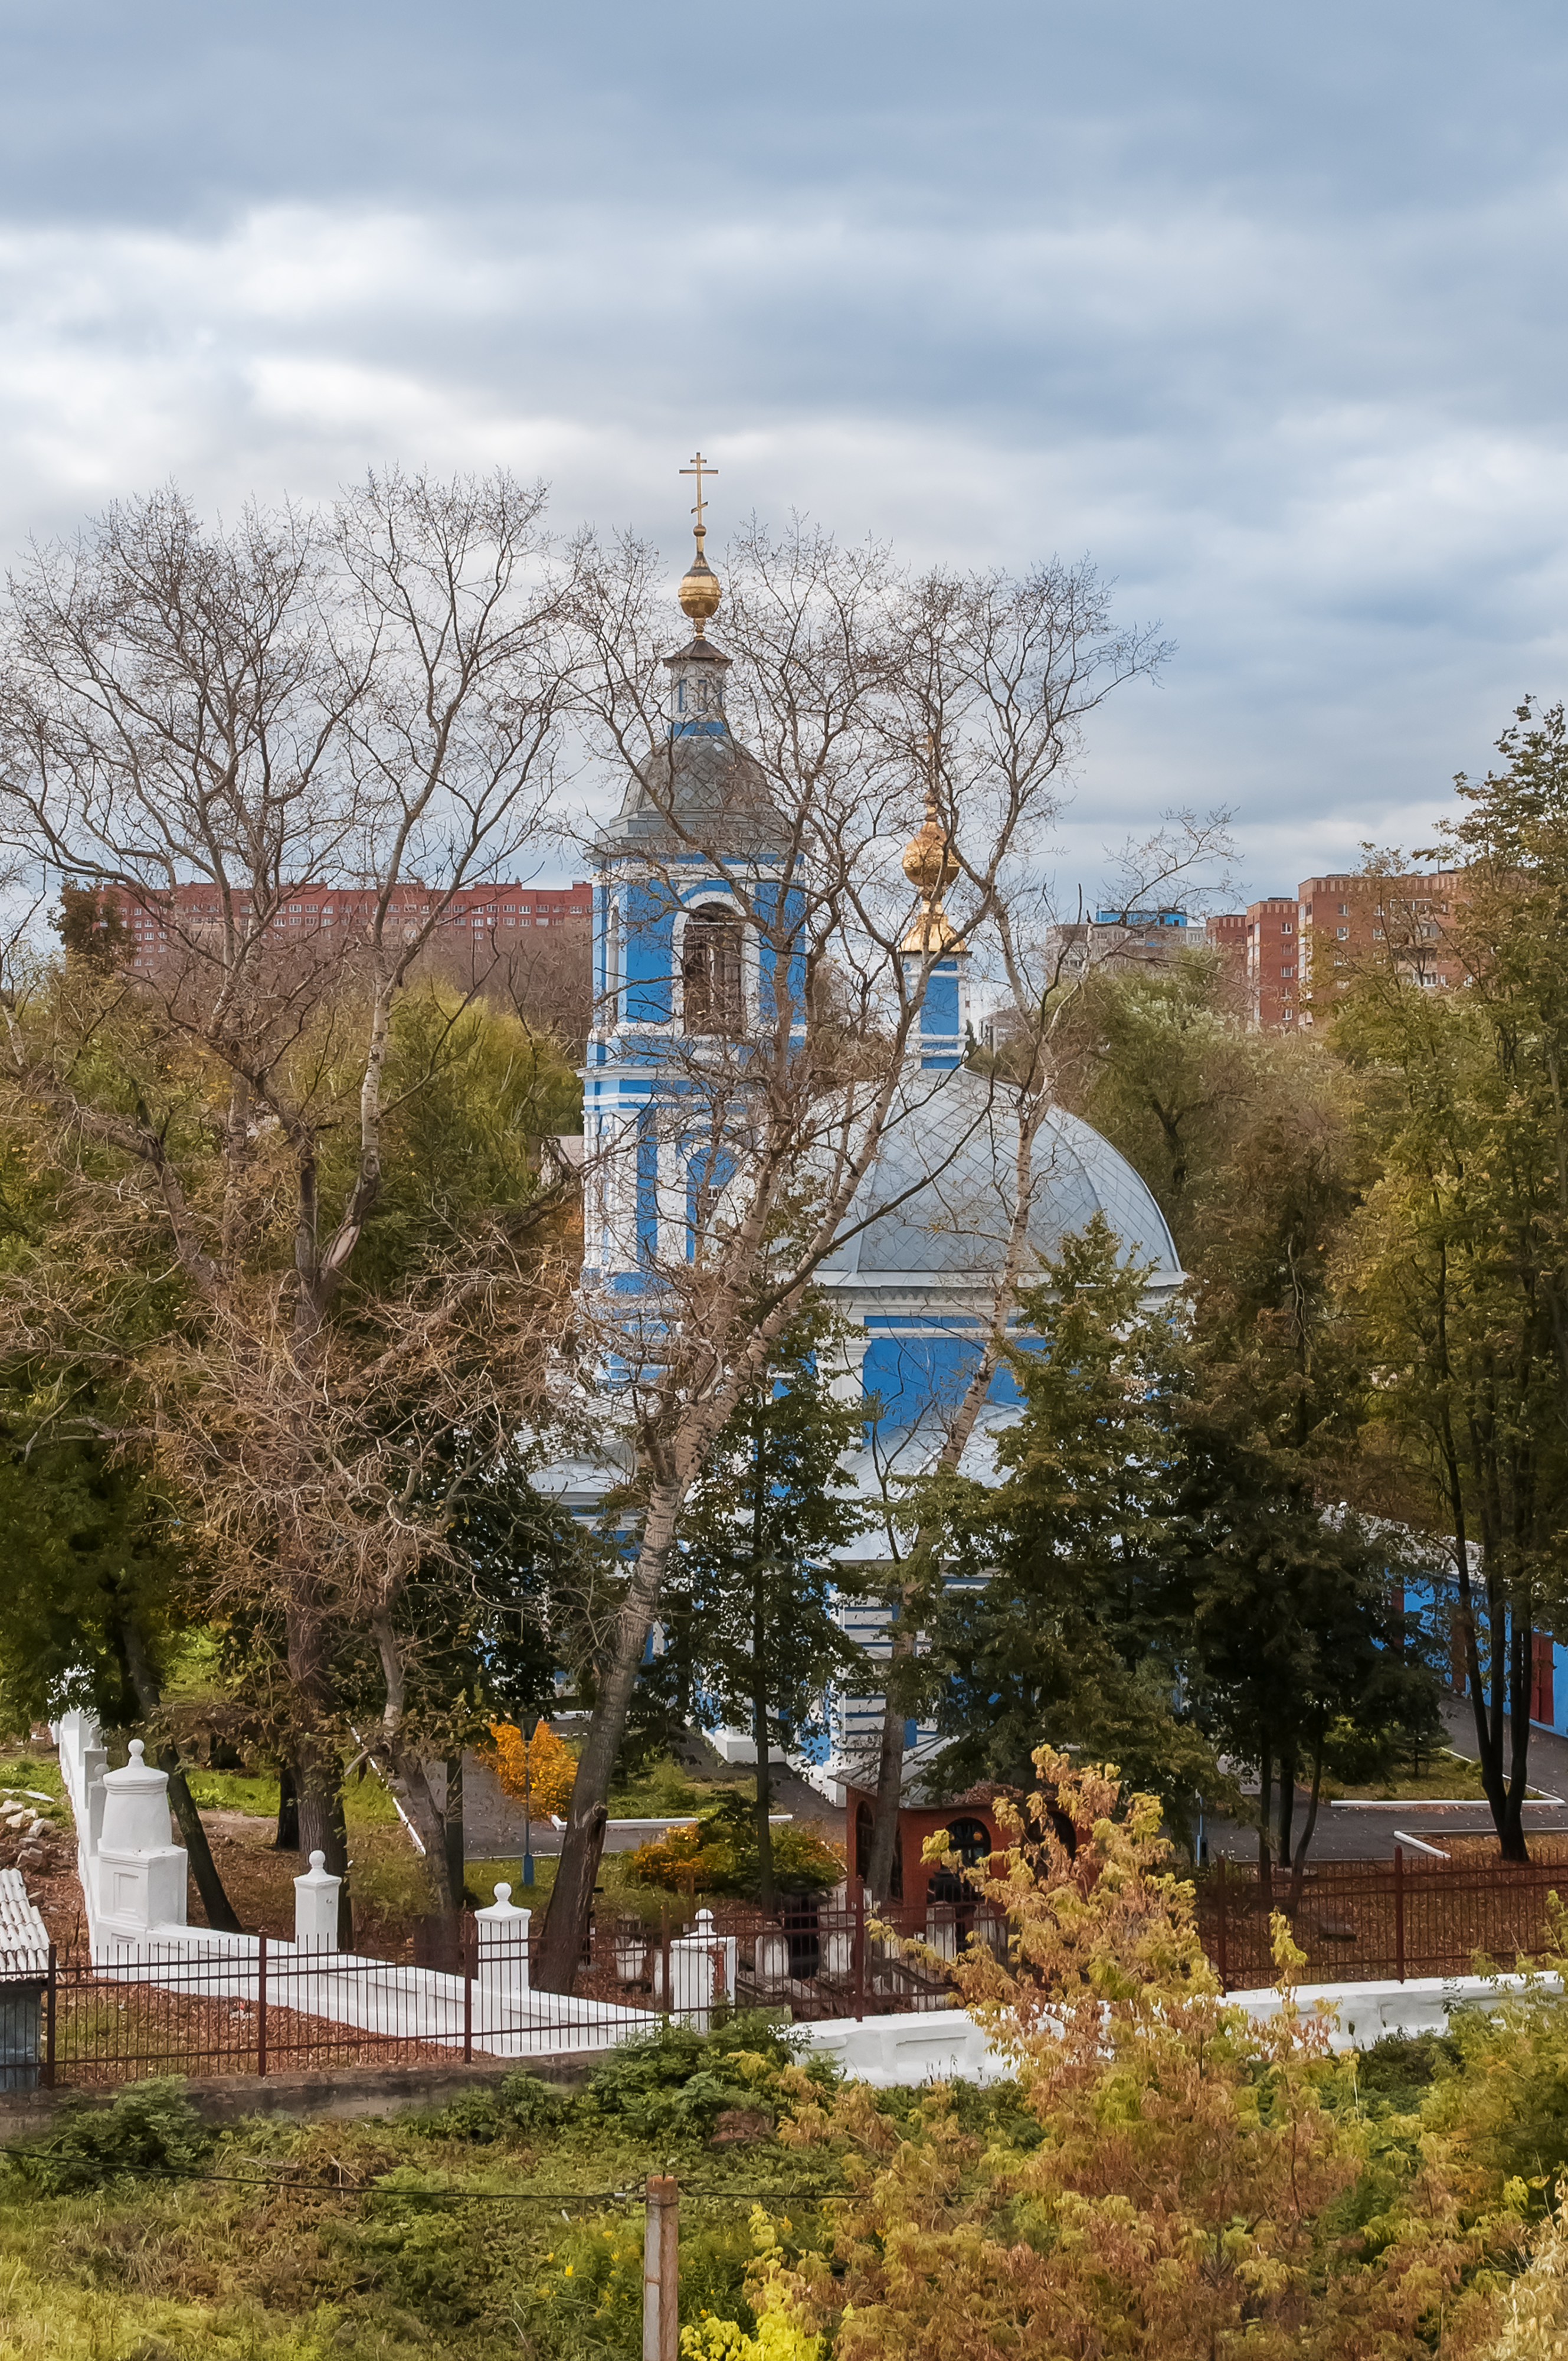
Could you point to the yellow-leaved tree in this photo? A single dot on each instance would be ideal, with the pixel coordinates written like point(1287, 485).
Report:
point(540, 1770)
point(1180, 2179)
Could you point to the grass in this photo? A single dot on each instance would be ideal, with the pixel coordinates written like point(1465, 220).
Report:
point(1440, 1776)
point(366, 1802)
point(389, 2262)
point(25, 1777)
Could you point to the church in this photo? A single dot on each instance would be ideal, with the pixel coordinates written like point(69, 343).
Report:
point(914, 1276)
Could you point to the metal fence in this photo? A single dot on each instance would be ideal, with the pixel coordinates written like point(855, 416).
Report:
point(210, 2006)
point(214, 2007)
point(1370, 1921)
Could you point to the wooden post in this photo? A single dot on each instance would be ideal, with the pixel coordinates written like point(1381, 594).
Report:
point(1220, 1945)
point(661, 2270)
point(49, 1992)
point(466, 1967)
point(261, 2004)
point(1399, 1912)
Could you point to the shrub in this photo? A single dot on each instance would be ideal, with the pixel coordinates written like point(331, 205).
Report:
point(520, 2104)
point(677, 2080)
point(717, 1854)
point(151, 2128)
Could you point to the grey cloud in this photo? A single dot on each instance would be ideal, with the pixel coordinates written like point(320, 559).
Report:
point(1263, 309)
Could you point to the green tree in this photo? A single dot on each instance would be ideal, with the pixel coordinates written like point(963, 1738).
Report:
point(1296, 1632)
point(100, 1585)
point(1061, 1611)
point(1449, 1265)
point(752, 1611)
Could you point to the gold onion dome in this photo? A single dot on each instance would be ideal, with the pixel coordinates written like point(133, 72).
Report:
point(699, 593)
point(931, 864)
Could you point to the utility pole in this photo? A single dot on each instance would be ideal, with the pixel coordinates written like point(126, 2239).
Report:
point(661, 2270)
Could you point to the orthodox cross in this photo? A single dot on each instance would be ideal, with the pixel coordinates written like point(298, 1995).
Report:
point(699, 468)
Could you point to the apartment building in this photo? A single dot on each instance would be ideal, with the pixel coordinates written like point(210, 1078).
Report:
point(498, 917)
point(1118, 938)
point(1226, 932)
point(1274, 963)
point(1346, 918)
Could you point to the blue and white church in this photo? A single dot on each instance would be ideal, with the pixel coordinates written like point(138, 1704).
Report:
point(915, 1275)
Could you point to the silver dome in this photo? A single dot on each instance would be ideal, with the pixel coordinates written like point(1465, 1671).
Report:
point(935, 1209)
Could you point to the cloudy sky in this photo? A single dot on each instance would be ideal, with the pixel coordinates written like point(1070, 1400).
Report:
point(1261, 307)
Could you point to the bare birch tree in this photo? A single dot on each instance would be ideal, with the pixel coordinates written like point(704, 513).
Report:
point(205, 724)
point(765, 991)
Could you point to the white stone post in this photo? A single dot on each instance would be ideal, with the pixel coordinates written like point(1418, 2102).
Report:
point(141, 1876)
point(315, 1907)
point(503, 1947)
point(772, 1960)
point(702, 1971)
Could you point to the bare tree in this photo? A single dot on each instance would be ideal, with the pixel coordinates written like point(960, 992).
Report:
point(207, 723)
point(761, 1017)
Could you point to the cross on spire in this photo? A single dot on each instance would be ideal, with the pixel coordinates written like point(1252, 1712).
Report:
point(699, 468)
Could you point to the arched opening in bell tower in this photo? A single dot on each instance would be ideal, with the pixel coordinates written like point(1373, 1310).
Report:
point(712, 985)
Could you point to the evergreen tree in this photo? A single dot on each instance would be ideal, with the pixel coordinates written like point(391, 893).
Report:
point(752, 1621)
point(1062, 1617)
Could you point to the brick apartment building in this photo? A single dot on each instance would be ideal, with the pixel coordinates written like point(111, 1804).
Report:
point(495, 916)
point(1290, 950)
point(1348, 917)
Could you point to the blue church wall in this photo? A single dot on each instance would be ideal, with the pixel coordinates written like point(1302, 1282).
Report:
point(918, 1377)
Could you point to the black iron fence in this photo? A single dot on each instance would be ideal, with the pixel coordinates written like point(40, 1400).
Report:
point(1374, 1921)
point(215, 2005)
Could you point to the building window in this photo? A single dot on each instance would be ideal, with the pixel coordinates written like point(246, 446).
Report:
point(710, 969)
point(1342, 933)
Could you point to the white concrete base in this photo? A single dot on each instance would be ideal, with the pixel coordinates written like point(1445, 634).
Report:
point(945, 2045)
point(139, 1891)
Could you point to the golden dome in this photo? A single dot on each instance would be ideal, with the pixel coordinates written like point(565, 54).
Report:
point(699, 592)
point(931, 864)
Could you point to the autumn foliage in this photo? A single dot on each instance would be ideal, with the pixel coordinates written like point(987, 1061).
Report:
point(1180, 2181)
point(542, 1768)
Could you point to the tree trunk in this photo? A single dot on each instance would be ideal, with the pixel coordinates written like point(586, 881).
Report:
point(760, 1727)
point(1286, 1807)
point(1521, 1650)
point(1299, 1864)
point(759, 1665)
point(453, 1817)
point(317, 1772)
point(571, 1902)
point(1264, 1801)
point(220, 1910)
point(287, 1837)
point(890, 1757)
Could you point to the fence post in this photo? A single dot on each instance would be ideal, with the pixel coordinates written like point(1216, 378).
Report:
point(49, 1990)
point(664, 1953)
point(1399, 1912)
point(860, 1949)
point(261, 2004)
point(661, 2270)
point(466, 1968)
point(1221, 1962)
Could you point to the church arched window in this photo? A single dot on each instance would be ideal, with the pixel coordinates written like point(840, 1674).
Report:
point(711, 983)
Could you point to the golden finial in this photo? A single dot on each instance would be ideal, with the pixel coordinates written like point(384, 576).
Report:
point(931, 864)
point(698, 593)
